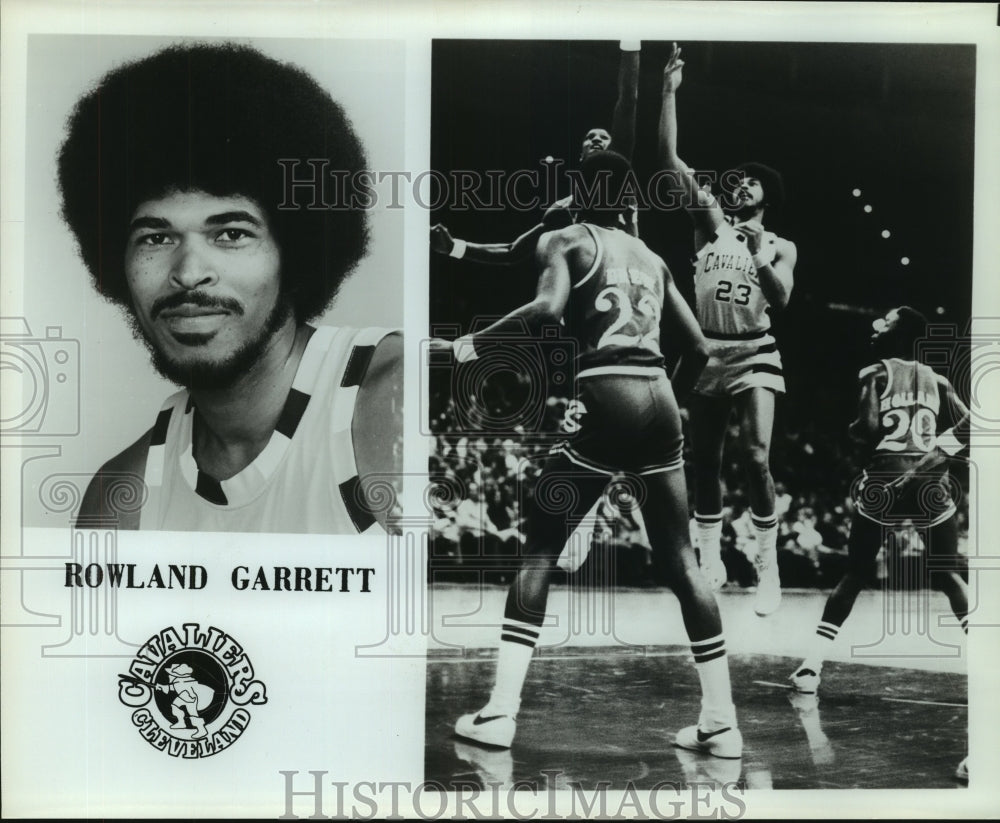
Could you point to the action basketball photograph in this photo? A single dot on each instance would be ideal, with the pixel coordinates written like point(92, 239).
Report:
point(696, 389)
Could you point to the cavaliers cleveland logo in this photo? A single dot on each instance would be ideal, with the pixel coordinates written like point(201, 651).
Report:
point(190, 689)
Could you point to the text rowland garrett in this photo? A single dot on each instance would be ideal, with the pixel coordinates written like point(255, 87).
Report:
point(242, 578)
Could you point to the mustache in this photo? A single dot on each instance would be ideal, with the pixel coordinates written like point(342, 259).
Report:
point(195, 298)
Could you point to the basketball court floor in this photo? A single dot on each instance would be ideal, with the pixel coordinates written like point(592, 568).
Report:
point(602, 713)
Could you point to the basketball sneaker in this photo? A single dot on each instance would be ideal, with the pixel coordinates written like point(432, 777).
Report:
point(726, 742)
point(713, 568)
point(768, 596)
point(962, 772)
point(804, 681)
point(487, 727)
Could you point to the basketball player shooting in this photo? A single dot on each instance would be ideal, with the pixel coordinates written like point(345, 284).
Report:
point(560, 214)
point(741, 272)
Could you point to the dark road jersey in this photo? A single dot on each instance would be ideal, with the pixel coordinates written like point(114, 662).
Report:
point(614, 308)
point(908, 407)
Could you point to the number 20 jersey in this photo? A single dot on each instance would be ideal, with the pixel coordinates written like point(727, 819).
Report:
point(909, 404)
point(614, 308)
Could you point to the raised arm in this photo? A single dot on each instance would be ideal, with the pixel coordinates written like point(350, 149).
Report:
point(550, 298)
point(498, 254)
point(694, 350)
point(700, 204)
point(623, 120)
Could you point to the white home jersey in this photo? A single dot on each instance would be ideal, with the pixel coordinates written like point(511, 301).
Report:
point(728, 297)
point(305, 480)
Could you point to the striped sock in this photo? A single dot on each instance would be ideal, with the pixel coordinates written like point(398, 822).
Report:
point(965, 623)
point(712, 665)
point(826, 634)
point(517, 644)
point(709, 528)
point(766, 529)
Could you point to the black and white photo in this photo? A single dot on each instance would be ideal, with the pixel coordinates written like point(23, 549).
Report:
point(825, 192)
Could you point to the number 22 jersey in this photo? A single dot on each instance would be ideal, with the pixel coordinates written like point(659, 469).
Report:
point(614, 308)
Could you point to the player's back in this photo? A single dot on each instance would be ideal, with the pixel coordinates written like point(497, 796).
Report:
point(615, 305)
point(908, 406)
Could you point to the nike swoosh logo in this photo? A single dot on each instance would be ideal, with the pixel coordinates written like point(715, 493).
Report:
point(703, 736)
point(480, 719)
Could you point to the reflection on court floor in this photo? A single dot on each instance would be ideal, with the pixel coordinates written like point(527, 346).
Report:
point(606, 716)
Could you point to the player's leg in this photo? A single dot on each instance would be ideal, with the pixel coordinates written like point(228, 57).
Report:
point(755, 408)
point(863, 547)
point(564, 493)
point(709, 419)
point(942, 550)
point(665, 512)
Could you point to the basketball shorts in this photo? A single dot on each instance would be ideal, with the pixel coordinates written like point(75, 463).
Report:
point(737, 365)
point(623, 423)
point(940, 542)
point(925, 502)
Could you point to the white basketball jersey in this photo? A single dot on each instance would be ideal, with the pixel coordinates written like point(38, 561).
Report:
point(304, 481)
point(728, 296)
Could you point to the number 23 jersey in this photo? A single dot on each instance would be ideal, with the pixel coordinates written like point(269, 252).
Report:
point(614, 308)
point(727, 291)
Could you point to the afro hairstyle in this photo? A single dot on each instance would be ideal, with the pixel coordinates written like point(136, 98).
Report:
point(601, 185)
point(770, 180)
point(216, 118)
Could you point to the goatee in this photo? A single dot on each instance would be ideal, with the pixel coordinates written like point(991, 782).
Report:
point(203, 375)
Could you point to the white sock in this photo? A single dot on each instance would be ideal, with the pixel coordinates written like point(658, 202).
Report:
point(709, 533)
point(766, 529)
point(517, 644)
point(826, 634)
point(712, 665)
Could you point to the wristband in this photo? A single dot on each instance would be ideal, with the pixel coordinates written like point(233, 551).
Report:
point(948, 443)
point(465, 349)
point(759, 262)
point(630, 45)
point(458, 249)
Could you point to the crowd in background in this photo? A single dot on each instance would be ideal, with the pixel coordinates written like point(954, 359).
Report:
point(483, 480)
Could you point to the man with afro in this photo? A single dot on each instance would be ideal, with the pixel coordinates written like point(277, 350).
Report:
point(174, 175)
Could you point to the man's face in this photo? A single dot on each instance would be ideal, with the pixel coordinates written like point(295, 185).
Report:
point(596, 140)
point(749, 194)
point(204, 275)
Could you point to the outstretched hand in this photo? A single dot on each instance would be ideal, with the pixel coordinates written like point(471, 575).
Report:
point(672, 75)
point(436, 344)
point(441, 240)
